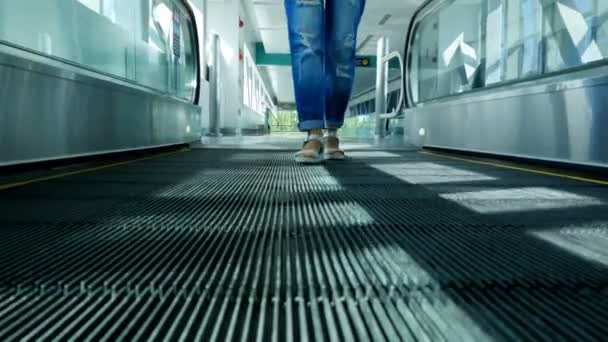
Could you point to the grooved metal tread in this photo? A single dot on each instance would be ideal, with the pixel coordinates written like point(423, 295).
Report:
point(245, 245)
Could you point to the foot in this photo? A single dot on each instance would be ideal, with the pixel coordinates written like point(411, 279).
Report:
point(311, 152)
point(332, 150)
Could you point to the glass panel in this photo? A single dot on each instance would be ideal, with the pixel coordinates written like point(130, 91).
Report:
point(464, 45)
point(70, 30)
point(153, 51)
point(94, 5)
point(186, 59)
point(524, 39)
point(428, 58)
point(459, 46)
point(450, 50)
point(104, 45)
point(129, 39)
point(572, 30)
point(494, 23)
point(601, 27)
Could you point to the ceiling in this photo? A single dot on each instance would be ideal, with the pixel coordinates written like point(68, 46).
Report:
point(388, 18)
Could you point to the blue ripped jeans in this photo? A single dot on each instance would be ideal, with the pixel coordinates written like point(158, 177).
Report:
point(323, 41)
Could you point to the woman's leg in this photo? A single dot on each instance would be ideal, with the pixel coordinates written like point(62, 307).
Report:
point(305, 20)
point(306, 23)
point(343, 19)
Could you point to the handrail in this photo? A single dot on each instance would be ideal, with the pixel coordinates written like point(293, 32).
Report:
point(382, 64)
point(256, 73)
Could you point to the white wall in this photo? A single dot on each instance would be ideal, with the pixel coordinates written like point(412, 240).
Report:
point(252, 119)
point(223, 19)
point(248, 32)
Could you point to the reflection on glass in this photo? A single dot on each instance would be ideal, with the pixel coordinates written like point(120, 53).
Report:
point(449, 52)
point(428, 58)
point(573, 32)
point(523, 33)
point(94, 5)
point(465, 45)
point(494, 51)
point(163, 17)
point(186, 59)
point(153, 52)
point(133, 40)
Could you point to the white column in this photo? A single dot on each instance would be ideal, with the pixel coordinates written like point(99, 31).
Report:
point(223, 19)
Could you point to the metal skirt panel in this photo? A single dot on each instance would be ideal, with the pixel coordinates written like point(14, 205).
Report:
point(564, 124)
point(50, 113)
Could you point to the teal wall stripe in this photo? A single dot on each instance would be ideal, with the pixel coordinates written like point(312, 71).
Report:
point(284, 59)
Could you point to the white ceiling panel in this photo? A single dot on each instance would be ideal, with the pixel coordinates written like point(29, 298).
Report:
point(275, 40)
point(270, 15)
point(281, 82)
point(396, 15)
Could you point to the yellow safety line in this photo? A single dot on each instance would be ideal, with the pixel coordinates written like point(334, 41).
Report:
point(546, 173)
point(78, 172)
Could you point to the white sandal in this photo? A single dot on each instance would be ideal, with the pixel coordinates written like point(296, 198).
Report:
point(334, 153)
point(307, 156)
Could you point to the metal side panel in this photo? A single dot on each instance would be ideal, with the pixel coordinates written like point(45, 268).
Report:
point(49, 113)
point(562, 122)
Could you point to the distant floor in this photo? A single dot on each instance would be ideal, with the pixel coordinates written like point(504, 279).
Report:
point(293, 141)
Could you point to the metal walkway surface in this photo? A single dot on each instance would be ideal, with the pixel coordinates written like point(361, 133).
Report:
point(241, 244)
